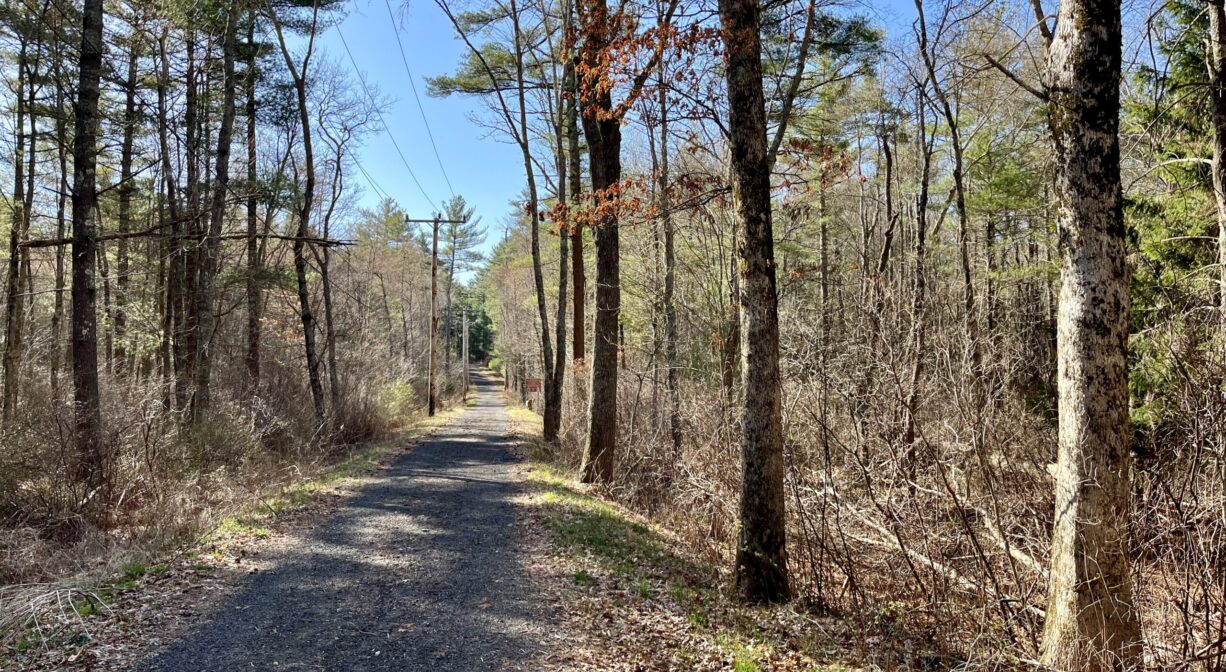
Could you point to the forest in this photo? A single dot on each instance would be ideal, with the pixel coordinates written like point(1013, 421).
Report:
point(910, 315)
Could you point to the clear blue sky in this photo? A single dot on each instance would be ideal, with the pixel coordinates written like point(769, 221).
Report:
point(486, 170)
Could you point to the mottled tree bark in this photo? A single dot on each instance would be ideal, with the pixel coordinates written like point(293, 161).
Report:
point(1091, 621)
point(761, 554)
point(87, 397)
point(1216, 62)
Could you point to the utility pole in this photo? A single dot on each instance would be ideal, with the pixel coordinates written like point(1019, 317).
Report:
point(465, 350)
point(432, 379)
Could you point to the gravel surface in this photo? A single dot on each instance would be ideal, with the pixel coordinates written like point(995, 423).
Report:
point(419, 571)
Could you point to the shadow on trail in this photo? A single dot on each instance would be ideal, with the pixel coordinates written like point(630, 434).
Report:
point(417, 572)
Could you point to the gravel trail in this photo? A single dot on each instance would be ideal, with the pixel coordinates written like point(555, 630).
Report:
point(418, 571)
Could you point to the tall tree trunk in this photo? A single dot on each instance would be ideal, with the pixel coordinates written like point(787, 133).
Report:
point(61, 200)
point(761, 554)
point(553, 416)
point(254, 298)
point(126, 189)
point(325, 279)
point(186, 315)
point(1216, 60)
point(14, 315)
point(552, 396)
point(447, 310)
point(305, 208)
point(87, 397)
point(1091, 620)
point(173, 318)
point(604, 148)
point(211, 250)
point(575, 174)
point(919, 296)
point(970, 323)
point(669, 263)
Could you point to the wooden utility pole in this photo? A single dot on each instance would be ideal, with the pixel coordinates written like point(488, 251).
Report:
point(465, 355)
point(432, 380)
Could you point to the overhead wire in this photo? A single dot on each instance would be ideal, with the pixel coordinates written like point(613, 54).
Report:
point(379, 113)
point(413, 86)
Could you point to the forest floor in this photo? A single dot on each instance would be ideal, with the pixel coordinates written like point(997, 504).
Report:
point(466, 551)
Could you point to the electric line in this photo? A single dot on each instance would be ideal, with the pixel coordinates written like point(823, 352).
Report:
point(413, 86)
point(371, 181)
point(379, 113)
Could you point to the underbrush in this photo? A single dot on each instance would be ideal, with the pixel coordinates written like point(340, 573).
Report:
point(55, 616)
point(647, 601)
point(935, 554)
point(167, 479)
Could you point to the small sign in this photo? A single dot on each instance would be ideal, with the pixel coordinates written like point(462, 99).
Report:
point(532, 384)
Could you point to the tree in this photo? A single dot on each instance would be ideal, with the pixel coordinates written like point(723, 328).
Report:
point(1091, 621)
point(306, 204)
point(1215, 60)
point(87, 397)
point(463, 235)
point(602, 33)
point(211, 249)
point(490, 69)
point(761, 554)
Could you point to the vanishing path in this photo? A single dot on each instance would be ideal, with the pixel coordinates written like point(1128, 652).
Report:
point(419, 571)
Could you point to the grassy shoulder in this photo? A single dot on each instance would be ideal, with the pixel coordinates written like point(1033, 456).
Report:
point(57, 626)
point(644, 601)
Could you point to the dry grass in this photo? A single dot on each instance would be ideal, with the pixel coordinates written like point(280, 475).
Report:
point(88, 618)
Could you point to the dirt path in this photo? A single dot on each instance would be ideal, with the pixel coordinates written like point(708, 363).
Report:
point(419, 571)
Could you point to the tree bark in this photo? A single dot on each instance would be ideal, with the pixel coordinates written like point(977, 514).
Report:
point(173, 318)
point(299, 77)
point(553, 405)
point(602, 128)
point(126, 189)
point(1091, 621)
point(87, 397)
point(14, 315)
point(254, 298)
point(1216, 62)
point(669, 263)
point(575, 174)
point(761, 554)
point(211, 250)
point(57, 314)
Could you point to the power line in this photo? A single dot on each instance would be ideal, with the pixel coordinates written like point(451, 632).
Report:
point(413, 86)
point(379, 113)
point(370, 180)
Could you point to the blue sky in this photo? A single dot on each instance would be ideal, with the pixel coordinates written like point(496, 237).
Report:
point(486, 170)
